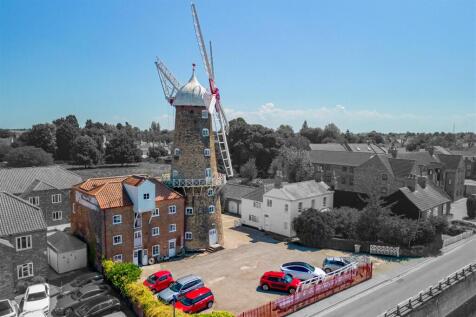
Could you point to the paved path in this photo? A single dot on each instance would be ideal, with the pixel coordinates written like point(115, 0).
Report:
point(373, 297)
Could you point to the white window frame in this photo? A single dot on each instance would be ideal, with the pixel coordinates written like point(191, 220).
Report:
point(188, 236)
point(206, 152)
point(252, 218)
point(117, 257)
point(257, 204)
point(172, 227)
point(210, 192)
point(324, 201)
point(157, 231)
point(205, 132)
point(57, 212)
point(211, 209)
point(177, 152)
point(114, 240)
point(35, 200)
point(269, 203)
point(204, 114)
point(156, 247)
point(114, 222)
point(172, 210)
point(146, 196)
point(156, 212)
point(28, 240)
point(300, 206)
point(208, 172)
point(189, 211)
point(56, 198)
point(29, 268)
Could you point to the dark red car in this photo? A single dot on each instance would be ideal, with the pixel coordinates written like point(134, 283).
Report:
point(279, 281)
point(159, 281)
point(196, 300)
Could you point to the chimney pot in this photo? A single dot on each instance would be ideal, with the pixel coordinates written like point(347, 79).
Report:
point(422, 181)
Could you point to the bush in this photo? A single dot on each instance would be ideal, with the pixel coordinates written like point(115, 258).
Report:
point(121, 274)
point(440, 223)
point(313, 226)
point(455, 230)
point(28, 156)
point(345, 220)
point(471, 206)
point(426, 232)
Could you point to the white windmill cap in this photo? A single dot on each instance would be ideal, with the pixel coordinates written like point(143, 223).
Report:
point(191, 94)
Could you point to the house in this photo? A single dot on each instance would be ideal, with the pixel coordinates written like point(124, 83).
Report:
point(428, 164)
point(66, 252)
point(46, 187)
point(129, 218)
point(22, 243)
point(275, 209)
point(469, 157)
point(453, 174)
point(419, 199)
point(231, 195)
point(349, 147)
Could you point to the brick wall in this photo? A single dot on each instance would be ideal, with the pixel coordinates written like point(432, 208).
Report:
point(48, 207)
point(7, 285)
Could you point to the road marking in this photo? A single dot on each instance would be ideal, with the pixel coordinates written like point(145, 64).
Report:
point(218, 279)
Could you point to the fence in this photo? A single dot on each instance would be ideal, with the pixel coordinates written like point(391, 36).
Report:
point(410, 304)
point(384, 250)
point(310, 293)
point(457, 238)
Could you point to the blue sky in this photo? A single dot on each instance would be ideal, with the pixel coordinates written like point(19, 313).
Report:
point(364, 65)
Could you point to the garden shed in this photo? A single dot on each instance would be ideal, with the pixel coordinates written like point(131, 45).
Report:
point(66, 252)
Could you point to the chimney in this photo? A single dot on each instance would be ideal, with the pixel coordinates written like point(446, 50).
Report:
point(393, 150)
point(430, 150)
point(421, 181)
point(278, 179)
point(411, 183)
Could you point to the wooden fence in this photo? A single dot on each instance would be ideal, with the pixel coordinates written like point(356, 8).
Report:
point(310, 294)
point(457, 238)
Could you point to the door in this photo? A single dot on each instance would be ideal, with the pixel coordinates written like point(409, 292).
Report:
point(212, 236)
point(137, 239)
point(233, 207)
point(267, 226)
point(172, 247)
point(144, 257)
point(135, 257)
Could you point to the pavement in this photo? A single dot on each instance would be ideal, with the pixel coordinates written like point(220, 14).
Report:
point(384, 291)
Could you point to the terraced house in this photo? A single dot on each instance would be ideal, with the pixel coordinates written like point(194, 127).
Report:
point(128, 218)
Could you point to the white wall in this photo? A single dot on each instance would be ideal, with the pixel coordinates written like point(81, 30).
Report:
point(136, 194)
point(247, 209)
point(68, 261)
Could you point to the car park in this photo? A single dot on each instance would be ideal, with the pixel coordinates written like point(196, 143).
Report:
point(37, 297)
point(82, 280)
point(180, 287)
point(36, 313)
point(8, 308)
point(99, 306)
point(334, 263)
point(159, 281)
point(195, 301)
point(279, 281)
point(302, 270)
point(67, 303)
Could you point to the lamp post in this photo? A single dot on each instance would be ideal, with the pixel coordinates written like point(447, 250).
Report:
point(174, 300)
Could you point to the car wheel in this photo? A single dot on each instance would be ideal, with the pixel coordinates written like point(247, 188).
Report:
point(210, 304)
point(292, 290)
point(327, 270)
point(265, 287)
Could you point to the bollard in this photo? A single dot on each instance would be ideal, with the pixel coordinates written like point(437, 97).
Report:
point(420, 297)
point(410, 303)
point(398, 310)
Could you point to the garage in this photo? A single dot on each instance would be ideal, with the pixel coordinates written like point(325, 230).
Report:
point(66, 252)
point(233, 207)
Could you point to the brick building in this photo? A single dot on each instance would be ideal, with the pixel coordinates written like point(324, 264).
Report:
point(22, 243)
point(46, 187)
point(469, 157)
point(453, 174)
point(128, 218)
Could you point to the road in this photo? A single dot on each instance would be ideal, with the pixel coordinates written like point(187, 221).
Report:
point(387, 294)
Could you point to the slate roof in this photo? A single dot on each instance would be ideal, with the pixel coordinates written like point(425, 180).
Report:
point(236, 191)
point(339, 158)
point(364, 147)
point(19, 180)
point(425, 198)
point(19, 216)
point(63, 242)
point(451, 161)
point(466, 153)
point(422, 158)
point(401, 167)
point(300, 190)
point(327, 147)
point(256, 195)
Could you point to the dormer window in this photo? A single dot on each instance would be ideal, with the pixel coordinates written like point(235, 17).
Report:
point(206, 152)
point(211, 209)
point(205, 132)
point(176, 152)
point(204, 114)
point(210, 192)
point(146, 196)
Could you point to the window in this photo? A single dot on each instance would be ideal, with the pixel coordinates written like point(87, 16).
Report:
point(342, 180)
point(205, 132)
point(286, 207)
point(156, 250)
point(23, 243)
point(34, 200)
point(269, 203)
point(327, 179)
point(172, 209)
point(172, 227)
point(257, 204)
point(210, 192)
point(383, 190)
point(384, 177)
point(351, 180)
point(155, 212)
point(208, 172)
point(155, 231)
point(188, 235)
point(25, 270)
point(252, 218)
point(174, 173)
point(344, 168)
point(117, 239)
point(324, 201)
point(117, 258)
point(211, 209)
point(351, 169)
point(146, 196)
point(300, 206)
point(189, 211)
point(57, 215)
point(285, 226)
point(449, 181)
point(204, 114)
point(206, 152)
point(313, 204)
point(116, 219)
point(177, 152)
point(56, 198)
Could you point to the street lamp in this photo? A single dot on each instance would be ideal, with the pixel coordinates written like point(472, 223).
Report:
point(174, 300)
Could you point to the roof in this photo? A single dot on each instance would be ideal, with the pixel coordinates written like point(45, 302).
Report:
point(198, 292)
point(19, 180)
point(190, 94)
point(471, 152)
point(469, 182)
point(385, 162)
point(451, 161)
point(301, 190)
point(19, 216)
point(440, 149)
point(327, 147)
point(365, 147)
point(339, 157)
point(425, 198)
point(236, 191)
point(401, 167)
point(256, 195)
point(64, 242)
point(422, 158)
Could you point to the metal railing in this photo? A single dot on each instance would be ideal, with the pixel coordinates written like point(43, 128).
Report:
point(218, 180)
point(411, 303)
point(451, 240)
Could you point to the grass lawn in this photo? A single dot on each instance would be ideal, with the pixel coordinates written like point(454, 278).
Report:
point(151, 169)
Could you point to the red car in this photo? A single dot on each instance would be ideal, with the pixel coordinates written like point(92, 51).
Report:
point(159, 281)
point(279, 281)
point(196, 300)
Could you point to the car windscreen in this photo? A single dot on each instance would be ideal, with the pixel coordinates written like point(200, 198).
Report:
point(152, 279)
point(36, 296)
point(176, 287)
point(288, 278)
point(186, 301)
point(5, 308)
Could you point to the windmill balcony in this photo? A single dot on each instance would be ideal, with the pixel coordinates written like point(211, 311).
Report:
point(218, 180)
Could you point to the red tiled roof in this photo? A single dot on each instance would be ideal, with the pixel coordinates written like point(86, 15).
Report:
point(134, 180)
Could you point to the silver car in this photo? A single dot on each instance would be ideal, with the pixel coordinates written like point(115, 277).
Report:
point(331, 264)
point(180, 287)
point(302, 270)
point(8, 308)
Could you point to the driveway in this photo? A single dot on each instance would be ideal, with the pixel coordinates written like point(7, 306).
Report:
point(458, 209)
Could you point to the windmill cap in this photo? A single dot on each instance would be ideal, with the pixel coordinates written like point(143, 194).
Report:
point(191, 94)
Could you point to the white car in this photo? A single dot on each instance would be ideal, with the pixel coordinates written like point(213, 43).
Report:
point(36, 313)
point(37, 297)
point(302, 270)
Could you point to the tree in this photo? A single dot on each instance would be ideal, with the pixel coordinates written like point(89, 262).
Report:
point(295, 164)
point(346, 222)
point(471, 206)
point(67, 130)
point(249, 170)
point(4, 149)
point(312, 226)
point(28, 156)
point(84, 151)
point(369, 224)
point(157, 151)
point(331, 133)
point(122, 149)
point(42, 136)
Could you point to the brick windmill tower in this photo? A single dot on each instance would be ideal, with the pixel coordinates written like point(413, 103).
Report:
point(200, 134)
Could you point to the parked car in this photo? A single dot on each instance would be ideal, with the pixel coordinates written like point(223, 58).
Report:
point(302, 270)
point(180, 287)
point(334, 263)
point(8, 308)
point(67, 303)
point(159, 281)
point(195, 301)
point(279, 281)
point(80, 281)
point(36, 313)
point(37, 297)
point(99, 306)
